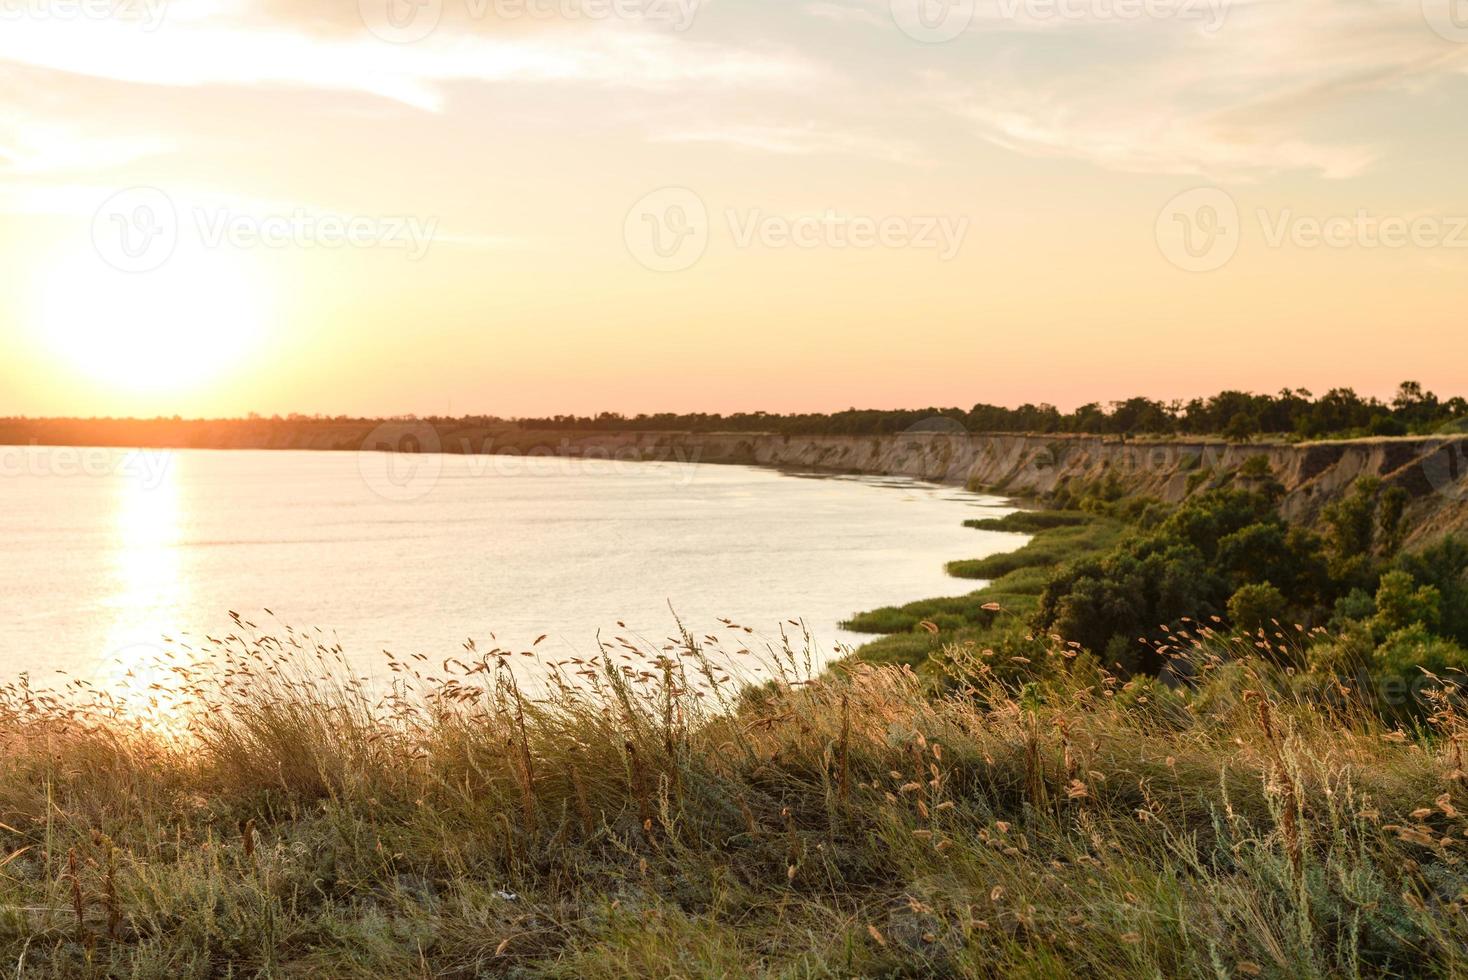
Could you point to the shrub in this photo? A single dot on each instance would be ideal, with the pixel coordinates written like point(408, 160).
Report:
point(1399, 663)
point(1354, 606)
point(1401, 602)
point(1253, 607)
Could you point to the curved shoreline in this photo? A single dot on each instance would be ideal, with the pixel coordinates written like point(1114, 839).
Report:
point(1432, 470)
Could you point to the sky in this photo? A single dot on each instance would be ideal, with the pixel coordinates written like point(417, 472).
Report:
point(530, 207)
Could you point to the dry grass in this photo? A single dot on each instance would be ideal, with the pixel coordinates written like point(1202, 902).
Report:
point(646, 816)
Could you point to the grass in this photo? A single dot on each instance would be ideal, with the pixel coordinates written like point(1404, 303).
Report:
point(1051, 548)
point(1031, 521)
point(910, 634)
point(646, 817)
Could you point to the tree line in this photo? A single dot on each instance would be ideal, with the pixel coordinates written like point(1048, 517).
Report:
point(1340, 412)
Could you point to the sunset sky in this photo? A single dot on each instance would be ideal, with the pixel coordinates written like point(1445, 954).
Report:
point(519, 207)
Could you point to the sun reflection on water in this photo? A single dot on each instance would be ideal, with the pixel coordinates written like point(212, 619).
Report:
point(149, 591)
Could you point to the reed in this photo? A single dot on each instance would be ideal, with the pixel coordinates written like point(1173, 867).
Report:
point(659, 811)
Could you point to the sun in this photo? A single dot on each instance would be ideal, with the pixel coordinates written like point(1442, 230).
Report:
point(175, 327)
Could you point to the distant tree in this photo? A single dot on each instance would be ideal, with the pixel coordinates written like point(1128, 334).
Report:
point(1240, 428)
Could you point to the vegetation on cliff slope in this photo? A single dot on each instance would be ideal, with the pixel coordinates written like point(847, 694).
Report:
point(1118, 575)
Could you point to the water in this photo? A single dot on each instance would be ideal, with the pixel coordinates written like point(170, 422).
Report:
point(106, 553)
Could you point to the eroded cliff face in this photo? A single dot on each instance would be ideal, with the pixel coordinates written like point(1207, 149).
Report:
point(1433, 471)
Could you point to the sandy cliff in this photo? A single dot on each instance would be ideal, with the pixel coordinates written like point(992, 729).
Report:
point(1433, 470)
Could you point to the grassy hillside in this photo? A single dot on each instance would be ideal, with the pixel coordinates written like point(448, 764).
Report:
point(653, 823)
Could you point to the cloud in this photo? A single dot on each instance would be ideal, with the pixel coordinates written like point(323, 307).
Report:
point(848, 14)
point(39, 136)
point(216, 50)
point(1277, 89)
point(810, 139)
point(32, 146)
point(1156, 139)
point(503, 18)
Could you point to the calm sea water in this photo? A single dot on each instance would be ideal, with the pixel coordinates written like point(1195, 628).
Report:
point(105, 552)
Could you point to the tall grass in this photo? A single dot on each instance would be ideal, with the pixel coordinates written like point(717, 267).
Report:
point(647, 815)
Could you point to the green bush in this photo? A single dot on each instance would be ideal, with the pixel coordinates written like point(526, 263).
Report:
point(1031, 521)
point(1399, 663)
point(1354, 606)
point(1401, 602)
point(1254, 607)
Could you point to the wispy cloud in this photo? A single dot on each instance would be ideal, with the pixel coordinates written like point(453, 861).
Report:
point(32, 144)
point(848, 13)
point(810, 139)
point(213, 51)
point(1270, 92)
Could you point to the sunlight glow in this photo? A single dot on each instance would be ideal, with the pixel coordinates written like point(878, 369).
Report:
point(169, 329)
point(150, 589)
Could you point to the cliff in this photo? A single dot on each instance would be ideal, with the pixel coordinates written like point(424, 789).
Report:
point(1433, 470)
